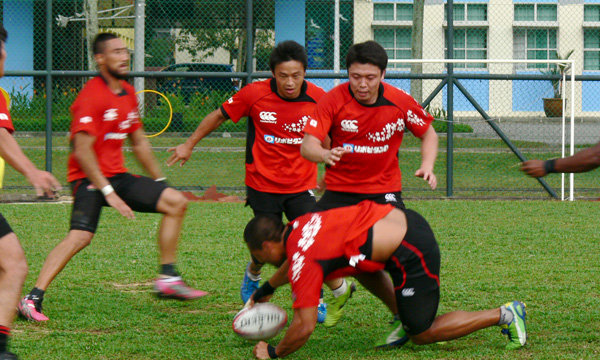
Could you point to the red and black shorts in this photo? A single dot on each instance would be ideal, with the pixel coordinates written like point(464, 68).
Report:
point(415, 271)
point(140, 193)
point(293, 205)
point(5, 229)
point(337, 199)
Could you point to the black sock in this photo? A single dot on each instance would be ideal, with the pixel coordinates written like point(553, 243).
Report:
point(4, 333)
point(37, 294)
point(168, 269)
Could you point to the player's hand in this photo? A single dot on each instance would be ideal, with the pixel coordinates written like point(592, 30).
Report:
point(534, 168)
point(262, 294)
point(331, 157)
point(44, 183)
point(115, 201)
point(427, 175)
point(261, 350)
point(180, 152)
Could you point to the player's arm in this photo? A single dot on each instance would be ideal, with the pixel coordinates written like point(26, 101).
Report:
point(143, 152)
point(267, 289)
point(314, 150)
point(583, 161)
point(429, 150)
point(43, 181)
point(297, 335)
point(183, 151)
point(83, 151)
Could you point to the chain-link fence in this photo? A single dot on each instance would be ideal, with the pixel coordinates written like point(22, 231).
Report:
point(197, 53)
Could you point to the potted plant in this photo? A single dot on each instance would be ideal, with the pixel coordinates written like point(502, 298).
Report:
point(553, 107)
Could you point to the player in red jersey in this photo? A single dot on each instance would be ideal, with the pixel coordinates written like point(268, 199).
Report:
point(365, 119)
point(365, 238)
point(278, 179)
point(105, 113)
point(13, 265)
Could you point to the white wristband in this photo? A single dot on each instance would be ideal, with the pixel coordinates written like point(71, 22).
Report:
point(107, 190)
point(161, 179)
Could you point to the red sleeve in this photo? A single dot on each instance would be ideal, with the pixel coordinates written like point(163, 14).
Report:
point(85, 115)
point(5, 120)
point(417, 119)
point(238, 106)
point(306, 279)
point(320, 122)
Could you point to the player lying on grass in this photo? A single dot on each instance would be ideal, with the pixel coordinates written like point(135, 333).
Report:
point(583, 161)
point(13, 265)
point(369, 237)
point(104, 114)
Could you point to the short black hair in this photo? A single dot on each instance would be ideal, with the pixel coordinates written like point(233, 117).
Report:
point(263, 228)
point(287, 51)
point(3, 33)
point(99, 41)
point(368, 52)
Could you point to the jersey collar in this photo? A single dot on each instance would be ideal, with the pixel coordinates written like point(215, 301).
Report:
point(123, 91)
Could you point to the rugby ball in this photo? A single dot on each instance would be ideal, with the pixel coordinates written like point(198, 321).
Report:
point(260, 322)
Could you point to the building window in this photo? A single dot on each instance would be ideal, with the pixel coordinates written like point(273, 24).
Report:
point(591, 49)
point(535, 44)
point(396, 43)
point(591, 13)
point(535, 12)
point(468, 12)
point(470, 43)
point(393, 12)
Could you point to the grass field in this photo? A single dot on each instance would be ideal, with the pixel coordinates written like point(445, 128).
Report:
point(101, 306)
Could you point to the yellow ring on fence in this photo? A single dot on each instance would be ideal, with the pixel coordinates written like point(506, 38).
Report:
point(170, 111)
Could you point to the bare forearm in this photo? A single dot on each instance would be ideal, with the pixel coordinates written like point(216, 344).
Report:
point(296, 336)
point(280, 277)
point(312, 149)
point(210, 123)
point(582, 161)
point(11, 152)
point(89, 164)
point(429, 149)
point(143, 152)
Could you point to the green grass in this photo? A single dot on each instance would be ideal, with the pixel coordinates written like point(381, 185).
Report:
point(101, 305)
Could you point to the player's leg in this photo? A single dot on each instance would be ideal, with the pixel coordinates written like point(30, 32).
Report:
point(87, 206)
point(13, 270)
point(143, 194)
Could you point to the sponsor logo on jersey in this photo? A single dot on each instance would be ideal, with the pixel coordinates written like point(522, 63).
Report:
point(349, 125)
point(362, 149)
point(355, 259)
point(277, 140)
point(313, 122)
point(390, 197)
point(387, 132)
point(408, 292)
point(297, 126)
point(414, 119)
point(268, 117)
point(230, 100)
point(85, 120)
point(126, 124)
point(3, 116)
point(110, 115)
point(115, 136)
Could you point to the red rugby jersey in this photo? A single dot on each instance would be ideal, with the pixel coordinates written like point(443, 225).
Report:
point(371, 135)
point(273, 160)
point(5, 120)
point(324, 242)
point(109, 117)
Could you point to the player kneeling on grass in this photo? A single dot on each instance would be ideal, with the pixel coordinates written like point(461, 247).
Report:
point(365, 238)
point(105, 113)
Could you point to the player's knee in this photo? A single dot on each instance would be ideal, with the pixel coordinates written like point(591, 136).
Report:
point(174, 202)
point(424, 337)
point(79, 239)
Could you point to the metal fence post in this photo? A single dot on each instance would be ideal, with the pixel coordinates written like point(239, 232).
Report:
point(249, 42)
point(49, 85)
point(450, 101)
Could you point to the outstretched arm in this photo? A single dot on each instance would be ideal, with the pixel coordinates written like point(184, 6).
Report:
point(183, 151)
point(429, 150)
point(297, 335)
point(583, 161)
point(43, 181)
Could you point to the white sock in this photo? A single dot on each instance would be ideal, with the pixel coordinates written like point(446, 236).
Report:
point(341, 290)
point(251, 276)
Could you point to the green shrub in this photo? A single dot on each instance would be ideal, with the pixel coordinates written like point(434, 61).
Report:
point(440, 124)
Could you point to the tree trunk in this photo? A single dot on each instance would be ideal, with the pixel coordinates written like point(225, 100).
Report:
point(416, 85)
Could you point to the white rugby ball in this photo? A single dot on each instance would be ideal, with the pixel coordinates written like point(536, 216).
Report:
point(260, 322)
